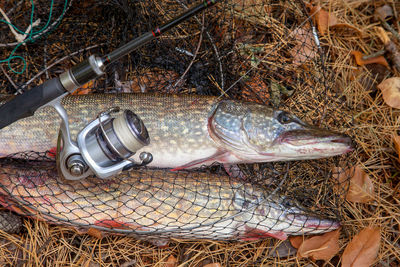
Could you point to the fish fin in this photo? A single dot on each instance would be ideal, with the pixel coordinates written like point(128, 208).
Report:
point(215, 157)
point(252, 234)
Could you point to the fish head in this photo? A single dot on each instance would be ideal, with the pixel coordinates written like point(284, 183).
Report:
point(257, 133)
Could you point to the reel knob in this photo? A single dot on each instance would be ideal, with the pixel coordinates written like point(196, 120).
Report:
point(76, 165)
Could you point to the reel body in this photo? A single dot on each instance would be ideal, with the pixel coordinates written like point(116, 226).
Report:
point(103, 147)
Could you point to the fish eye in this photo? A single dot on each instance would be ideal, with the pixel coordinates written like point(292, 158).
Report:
point(284, 117)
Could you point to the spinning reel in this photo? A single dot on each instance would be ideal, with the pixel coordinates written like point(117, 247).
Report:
point(103, 147)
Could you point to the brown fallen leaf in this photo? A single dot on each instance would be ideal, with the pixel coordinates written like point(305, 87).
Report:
point(255, 90)
point(171, 261)
point(370, 76)
point(358, 56)
point(383, 12)
point(84, 89)
point(391, 91)
point(396, 141)
point(322, 247)
point(215, 264)
point(296, 241)
point(363, 248)
point(93, 232)
point(326, 20)
point(346, 26)
point(361, 189)
point(390, 48)
point(323, 19)
point(283, 249)
point(306, 48)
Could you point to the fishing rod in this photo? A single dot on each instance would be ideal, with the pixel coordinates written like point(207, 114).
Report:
point(105, 145)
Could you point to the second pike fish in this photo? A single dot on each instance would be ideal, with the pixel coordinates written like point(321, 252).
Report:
point(187, 130)
point(154, 204)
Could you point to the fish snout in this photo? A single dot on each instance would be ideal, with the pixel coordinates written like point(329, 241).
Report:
point(313, 223)
point(315, 137)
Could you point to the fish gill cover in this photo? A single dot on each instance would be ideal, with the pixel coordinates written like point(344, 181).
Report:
point(262, 51)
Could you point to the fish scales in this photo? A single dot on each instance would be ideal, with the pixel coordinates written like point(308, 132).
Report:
point(155, 203)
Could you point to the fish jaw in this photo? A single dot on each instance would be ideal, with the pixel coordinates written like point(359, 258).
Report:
point(274, 217)
point(313, 143)
point(257, 133)
point(312, 224)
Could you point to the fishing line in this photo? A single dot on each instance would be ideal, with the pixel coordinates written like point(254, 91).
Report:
point(31, 34)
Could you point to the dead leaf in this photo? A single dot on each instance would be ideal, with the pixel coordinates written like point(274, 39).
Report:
point(383, 12)
point(306, 48)
point(361, 189)
point(212, 265)
point(153, 81)
point(371, 76)
point(396, 141)
point(283, 249)
point(255, 90)
point(346, 26)
point(84, 89)
point(391, 91)
point(363, 249)
point(93, 232)
point(322, 247)
point(358, 56)
point(171, 261)
point(296, 241)
point(326, 20)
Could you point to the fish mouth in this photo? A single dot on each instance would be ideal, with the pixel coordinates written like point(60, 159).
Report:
point(310, 137)
point(313, 223)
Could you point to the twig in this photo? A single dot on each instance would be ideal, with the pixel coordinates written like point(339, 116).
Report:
point(18, 36)
point(390, 47)
point(376, 54)
point(194, 56)
point(58, 61)
point(45, 30)
point(389, 28)
point(9, 78)
point(45, 60)
point(14, 7)
point(213, 46)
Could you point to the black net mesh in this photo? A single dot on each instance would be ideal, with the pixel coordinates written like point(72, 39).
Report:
point(262, 51)
point(157, 203)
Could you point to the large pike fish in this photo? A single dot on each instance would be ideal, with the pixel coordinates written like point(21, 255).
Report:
point(187, 131)
point(155, 204)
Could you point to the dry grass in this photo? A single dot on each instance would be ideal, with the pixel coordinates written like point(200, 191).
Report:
point(353, 106)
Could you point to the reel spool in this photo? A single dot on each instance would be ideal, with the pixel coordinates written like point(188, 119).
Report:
point(103, 147)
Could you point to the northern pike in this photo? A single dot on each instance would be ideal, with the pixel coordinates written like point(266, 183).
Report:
point(186, 130)
point(156, 204)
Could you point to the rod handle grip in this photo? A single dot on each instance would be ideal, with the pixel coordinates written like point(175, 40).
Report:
point(25, 105)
